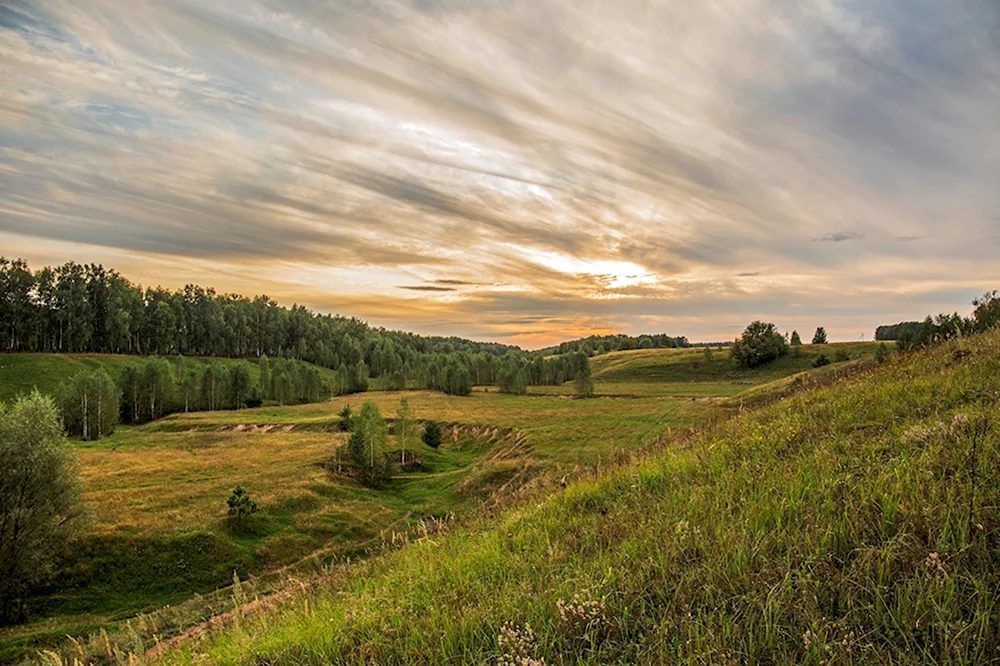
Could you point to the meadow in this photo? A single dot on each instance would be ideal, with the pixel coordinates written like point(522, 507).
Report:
point(159, 533)
point(854, 522)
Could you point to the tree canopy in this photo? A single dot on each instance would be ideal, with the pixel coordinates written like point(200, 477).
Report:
point(40, 511)
point(760, 343)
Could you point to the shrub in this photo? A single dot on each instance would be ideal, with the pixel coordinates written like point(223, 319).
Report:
point(840, 356)
point(432, 434)
point(760, 343)
point(881, 353)
point(821, 360)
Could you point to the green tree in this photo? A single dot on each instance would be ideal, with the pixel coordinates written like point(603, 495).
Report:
point(157, 387)
point(403, 427)
point(366, 446)
point(819, 338)
point(796, 339)
point(432, 434)
point(214, 386)
point(89, 403)
point(346, 418)
point(189, 386)
point(241, 386)
point(40, 511)
point(760, 343)
point(241, 507)
point(583, 383)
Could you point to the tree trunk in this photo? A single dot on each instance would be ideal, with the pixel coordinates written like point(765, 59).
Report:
point(85, 431)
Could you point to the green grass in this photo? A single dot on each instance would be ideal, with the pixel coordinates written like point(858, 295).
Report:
point(157, 491)
point(855, 523)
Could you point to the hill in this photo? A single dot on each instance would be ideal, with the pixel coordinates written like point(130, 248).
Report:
point(157, 491)
point(850, 523)
point(22, 372)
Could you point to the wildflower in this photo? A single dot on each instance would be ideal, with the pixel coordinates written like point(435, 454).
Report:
point(518, 646)
point(580, 614)
point(807, 639)
point(960, 424)
point(934, 563)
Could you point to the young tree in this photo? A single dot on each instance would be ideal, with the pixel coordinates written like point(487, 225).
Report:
point(760, 343)
point(241, 507)
point(346, 418)
point(820, 337)
point(796, 339)
point(366, 446)
point(583, 383)
point(40, 513)
point(89, 404)
point(403, 427)
point(432, 434)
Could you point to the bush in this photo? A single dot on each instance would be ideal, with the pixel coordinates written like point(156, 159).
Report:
point(821, 360)
point(432, 434)
point(760, 343)
point(840, 356)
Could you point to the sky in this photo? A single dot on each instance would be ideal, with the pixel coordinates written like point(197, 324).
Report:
point(525, 171)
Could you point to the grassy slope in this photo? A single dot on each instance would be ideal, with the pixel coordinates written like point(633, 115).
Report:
point(855, 523)
point(20, 373)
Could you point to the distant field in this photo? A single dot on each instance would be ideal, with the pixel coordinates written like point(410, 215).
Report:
point(158, 491)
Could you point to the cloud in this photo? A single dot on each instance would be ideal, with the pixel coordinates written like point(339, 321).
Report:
point(839, 237)
point(518, 148)
point(427, 287)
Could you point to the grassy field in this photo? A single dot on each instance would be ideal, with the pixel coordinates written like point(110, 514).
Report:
point(854, 523)
point(157, 492)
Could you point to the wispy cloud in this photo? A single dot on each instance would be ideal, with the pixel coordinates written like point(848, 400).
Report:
point(341, 150)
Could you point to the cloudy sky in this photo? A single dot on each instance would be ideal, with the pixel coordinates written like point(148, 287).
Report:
point(517, 170)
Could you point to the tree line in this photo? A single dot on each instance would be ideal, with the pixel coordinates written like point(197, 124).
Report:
point(600, 344)
point(88, 308)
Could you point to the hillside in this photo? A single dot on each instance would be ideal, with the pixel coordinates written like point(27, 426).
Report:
point(853, 523)
point(157, 491)
point(20, 373)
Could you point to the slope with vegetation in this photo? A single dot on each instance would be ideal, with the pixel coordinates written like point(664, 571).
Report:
point(853, 523)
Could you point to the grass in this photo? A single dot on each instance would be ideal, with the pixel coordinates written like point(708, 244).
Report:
point(855, 523)
point(157, 491)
